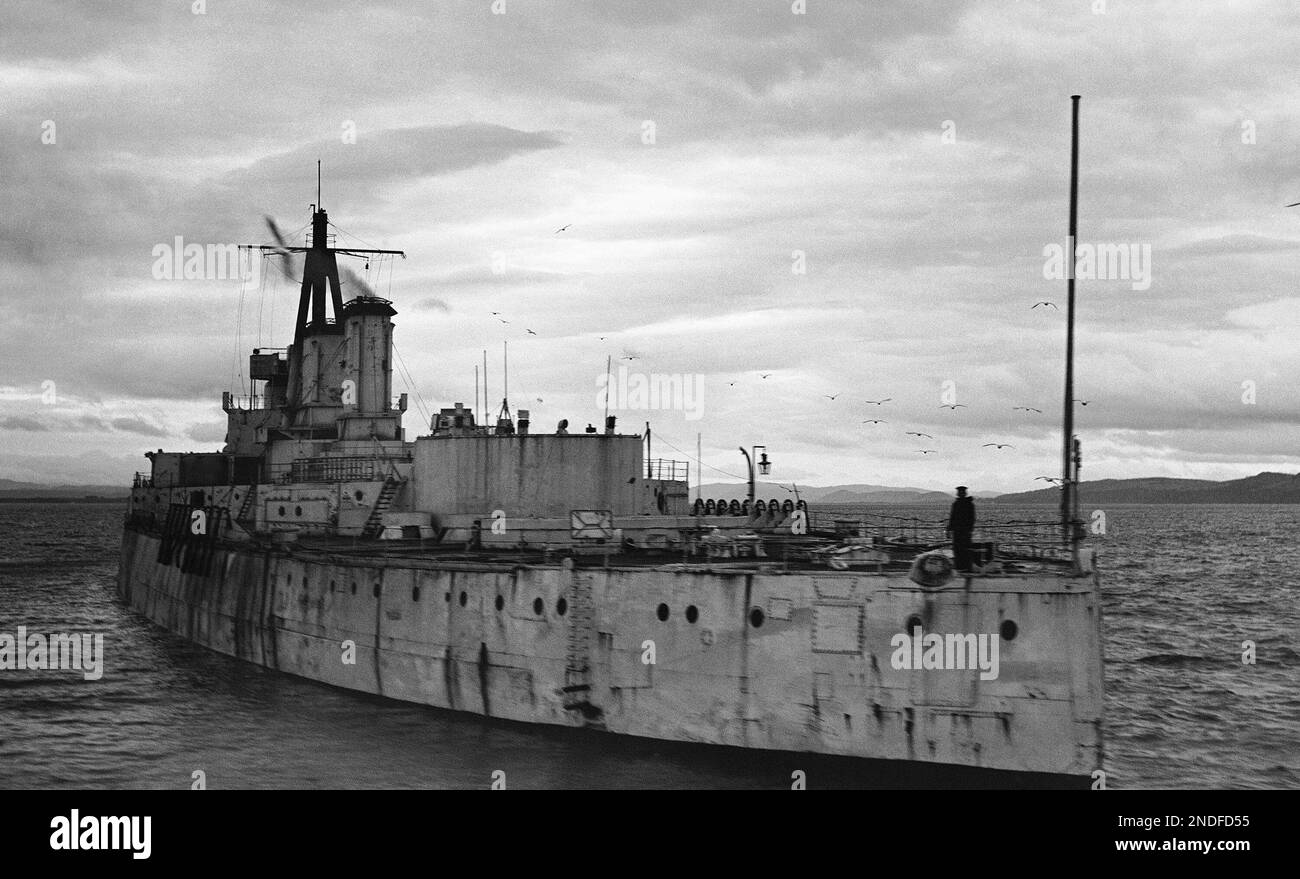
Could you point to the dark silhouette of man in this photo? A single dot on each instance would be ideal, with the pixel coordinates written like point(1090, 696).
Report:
point(961, 523)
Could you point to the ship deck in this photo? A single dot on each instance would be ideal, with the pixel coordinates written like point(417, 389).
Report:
point(780, 555)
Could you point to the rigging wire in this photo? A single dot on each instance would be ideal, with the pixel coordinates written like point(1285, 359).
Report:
point(261, 298)
point(357, 238)
point(409, 380)
point(691, 457)
point(239, 328)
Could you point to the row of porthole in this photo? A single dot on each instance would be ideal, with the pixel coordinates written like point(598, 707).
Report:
point(561, 604)
point(1008, 630)
point(692, 613)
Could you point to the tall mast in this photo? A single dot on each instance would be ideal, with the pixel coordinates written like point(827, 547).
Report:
point(320, 289)
point(1067, 441)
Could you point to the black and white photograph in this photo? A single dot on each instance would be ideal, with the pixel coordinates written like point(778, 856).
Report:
point(676, 395)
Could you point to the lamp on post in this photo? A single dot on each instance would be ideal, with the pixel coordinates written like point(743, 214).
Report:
point(764, 466)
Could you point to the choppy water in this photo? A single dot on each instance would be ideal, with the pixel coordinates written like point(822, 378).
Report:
point(1183, 588)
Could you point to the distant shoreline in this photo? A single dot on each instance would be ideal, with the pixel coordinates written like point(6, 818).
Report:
point(64, 500)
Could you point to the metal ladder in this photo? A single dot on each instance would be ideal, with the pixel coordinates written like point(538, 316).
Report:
point(242, 516)
point(375, 524)
point(577, 668)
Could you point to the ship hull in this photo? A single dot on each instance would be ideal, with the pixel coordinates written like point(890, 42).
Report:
point(755, 659)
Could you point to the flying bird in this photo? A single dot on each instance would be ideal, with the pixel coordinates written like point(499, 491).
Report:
point(1297, 204)
point(952, 406)
point(914, 433)
point(879, 402)
point(832, 396)
point(1051, 479)
point(766, 375)
point(1083, 402)
point(999, 445)
point(927, 451)
point(874, 421)
point(1027, 409)
point(1036, 304)
point(562, 228)
point(503, 320)
point(531, 333)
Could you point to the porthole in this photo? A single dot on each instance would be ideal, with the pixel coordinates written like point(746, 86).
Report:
point(692, 613)
point(297, 511)
point(463, 599)
point(281, 511)
point(756, 617)
point(662, 613)
point(538, 606)
point(446, 596)
point(359, 495)
point(1009, 630)
point(561, 607)
point(415, 593)
point(501, 602)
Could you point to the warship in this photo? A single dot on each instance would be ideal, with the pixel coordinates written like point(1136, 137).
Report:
point(560, 578)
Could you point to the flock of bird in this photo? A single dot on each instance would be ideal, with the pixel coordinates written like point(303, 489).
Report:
point(997, 446)
point(919, 435)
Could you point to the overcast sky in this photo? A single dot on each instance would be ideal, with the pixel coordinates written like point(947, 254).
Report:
point(913, 156)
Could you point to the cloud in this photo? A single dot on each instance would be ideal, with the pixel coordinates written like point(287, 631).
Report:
point(137, 425)
point(30, 425)
point(209, 432)
point(798, 211)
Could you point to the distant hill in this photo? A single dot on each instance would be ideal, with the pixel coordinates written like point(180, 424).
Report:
point(1264, 488)
point(11, 490)
point(832, 494)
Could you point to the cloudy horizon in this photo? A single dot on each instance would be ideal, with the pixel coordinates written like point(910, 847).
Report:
point(800, 212)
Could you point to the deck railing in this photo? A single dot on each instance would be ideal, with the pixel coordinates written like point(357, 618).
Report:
point(668, 470)
point(340, 469)
point(1013, 539)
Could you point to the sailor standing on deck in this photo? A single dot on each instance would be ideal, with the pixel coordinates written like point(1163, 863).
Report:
point(961, 522)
